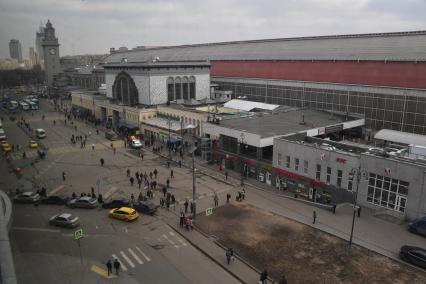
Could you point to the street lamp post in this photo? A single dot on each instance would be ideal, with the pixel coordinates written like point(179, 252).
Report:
point(169, 142)
point(357, 172)
point(192, 151)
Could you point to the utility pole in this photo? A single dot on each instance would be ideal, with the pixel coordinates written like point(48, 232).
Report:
point(357, 172)
point(192, 151)
point(169, 142)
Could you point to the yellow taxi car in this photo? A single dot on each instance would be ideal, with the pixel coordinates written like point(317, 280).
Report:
point(5, 147)
point(33, 144)
point(124, 213)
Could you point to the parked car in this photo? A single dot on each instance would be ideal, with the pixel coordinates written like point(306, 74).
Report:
point(83, 202)
point(418, 226)
point(55, 199)
point(64, 220)
point(146, 207)
point(135, 144)
point(32, 144)
point(40, 133)
point(111, 135)
point(27, 197)
point(413, 255)
point(124, 213)
point(115, 203)
point(5, 147)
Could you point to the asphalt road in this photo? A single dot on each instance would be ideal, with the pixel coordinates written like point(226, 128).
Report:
point(149, 250)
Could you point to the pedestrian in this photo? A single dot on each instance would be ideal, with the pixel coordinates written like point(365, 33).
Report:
point(24, 156)
point(161, 202)
point(93, 146)
point(128, 172)
point(92, 190)
point(180, 164)
point(181, 218)
point(111, 145)
point(216, 200)
point(263, 277)
point(283, 280)
point(171, 174)
point(226, 175)
point(141, 156)
point(150, 175)
point(168, 164)
point(114, 150)
point(167, 203)
point(139, 183)
point(186, 221)
point(314, 215)
point(192, 207)
point(116, 266)
point(102, 161)
point(186, 205)
point(228, 256)
point(132, 198)
point(164, 191)
point(64, 176)
point(228, 196)
point(132, 180)
point(109, 266)
point(155, 173)
point(97, 131)
point(168, 183)
point(359, 211)
point(173, 201)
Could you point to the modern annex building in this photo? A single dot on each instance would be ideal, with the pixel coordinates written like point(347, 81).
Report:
point(382, 76)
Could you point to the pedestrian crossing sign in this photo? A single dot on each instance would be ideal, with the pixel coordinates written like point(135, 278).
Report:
point(78, 234)
point(209, 211)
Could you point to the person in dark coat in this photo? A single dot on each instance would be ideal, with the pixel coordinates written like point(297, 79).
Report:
point(264, 276)
point(116, 266)
point(109, 267)
point(186, 205)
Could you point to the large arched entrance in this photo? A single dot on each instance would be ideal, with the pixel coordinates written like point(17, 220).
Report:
point(124, 89)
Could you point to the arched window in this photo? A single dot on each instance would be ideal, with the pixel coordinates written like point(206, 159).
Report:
point(178, 88)
point(185, 94)
point(124, 89)
point(170, 89)
point(192, 87)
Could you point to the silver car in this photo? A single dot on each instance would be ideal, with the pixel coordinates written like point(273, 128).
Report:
point(64, 220)
point(83, 202)
point(27, 197)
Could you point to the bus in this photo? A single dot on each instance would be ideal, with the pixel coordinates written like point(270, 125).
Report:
point(13, 106)
point(24, 106)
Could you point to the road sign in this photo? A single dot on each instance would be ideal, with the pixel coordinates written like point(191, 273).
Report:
point(78, 234)
point(209, 211)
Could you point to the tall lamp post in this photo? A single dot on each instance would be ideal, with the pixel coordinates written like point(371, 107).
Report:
point(192, 152)
point(357, 173)
point(243, 144)
point(169, 142)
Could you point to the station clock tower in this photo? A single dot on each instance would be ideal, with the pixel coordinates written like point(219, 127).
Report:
point(52, 66)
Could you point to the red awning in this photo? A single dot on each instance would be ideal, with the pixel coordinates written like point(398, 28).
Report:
point(288, 174)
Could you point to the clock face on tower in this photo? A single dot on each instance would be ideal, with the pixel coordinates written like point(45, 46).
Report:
point(52, 51)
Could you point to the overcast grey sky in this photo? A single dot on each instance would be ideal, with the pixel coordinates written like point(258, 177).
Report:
point(93, 26)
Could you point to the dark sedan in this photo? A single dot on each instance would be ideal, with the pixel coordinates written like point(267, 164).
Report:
point(27, 197)
point(413, 255)
point(116, 203)
point(146, 207)
point(55, 199)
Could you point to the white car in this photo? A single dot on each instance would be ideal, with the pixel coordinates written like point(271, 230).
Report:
point(136, 144)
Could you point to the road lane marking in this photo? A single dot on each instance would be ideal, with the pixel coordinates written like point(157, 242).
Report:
point(135, 256)
point(110, 192)
point(36, 229)
point(144, 255)
point(170, 241)
point(121, 263)
point(57, 189)
point(101, 272)
point(127, 259)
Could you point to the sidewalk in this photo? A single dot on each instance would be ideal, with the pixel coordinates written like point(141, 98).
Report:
point(210, 248)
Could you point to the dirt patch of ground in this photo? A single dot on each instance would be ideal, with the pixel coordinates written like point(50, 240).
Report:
point(302, 253)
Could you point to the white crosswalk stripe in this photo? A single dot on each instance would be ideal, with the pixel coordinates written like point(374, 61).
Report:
point(135, 256)
point(179, 239)
point(170, 241)
point(144, 255)
point(127, 259)
point(121, 263)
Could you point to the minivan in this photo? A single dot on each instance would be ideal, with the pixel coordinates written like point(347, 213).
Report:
point(40, 133)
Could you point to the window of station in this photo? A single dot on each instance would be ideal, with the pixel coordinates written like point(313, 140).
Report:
point(339, 178)
point(296, 164)
point(279, 159)
point(387, 192)
point(328, 174)
point(287, 162)
point(318, 172)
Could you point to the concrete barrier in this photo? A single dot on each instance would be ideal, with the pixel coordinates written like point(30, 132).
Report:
point(7, 267)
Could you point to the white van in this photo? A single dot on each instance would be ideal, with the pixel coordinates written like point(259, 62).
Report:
point(40, 133)
point(2, 134)
point(24, 106)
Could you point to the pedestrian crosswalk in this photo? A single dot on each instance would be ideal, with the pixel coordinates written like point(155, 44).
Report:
point(131, 257)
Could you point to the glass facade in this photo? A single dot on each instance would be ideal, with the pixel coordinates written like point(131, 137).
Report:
point(387, 192)
point(397, 112)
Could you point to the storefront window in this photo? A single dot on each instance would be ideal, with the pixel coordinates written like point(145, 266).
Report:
point(287, 163)
point(305, 167)
point(296, 164)
point(387, 192)
point(328, 174)
point(339, 178)
point(279, 159)
point(318, 173)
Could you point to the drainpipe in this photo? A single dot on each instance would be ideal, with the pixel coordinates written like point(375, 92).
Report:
point(421, 195)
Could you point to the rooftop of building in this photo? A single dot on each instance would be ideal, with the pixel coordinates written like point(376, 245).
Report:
point(409, 154)
point(394, 46)
point(288, 120)
point(157, 63)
